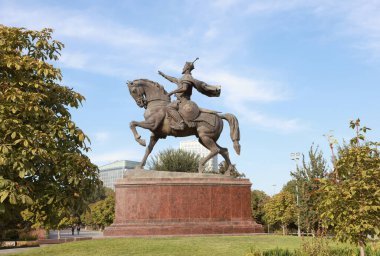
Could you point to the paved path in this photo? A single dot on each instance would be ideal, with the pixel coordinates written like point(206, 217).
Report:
point(53, 234)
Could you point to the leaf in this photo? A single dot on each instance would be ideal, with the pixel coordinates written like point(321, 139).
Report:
point(13, 136)
point(51, 199)
point(12, 199)
point(3, 196)
point(21, 174)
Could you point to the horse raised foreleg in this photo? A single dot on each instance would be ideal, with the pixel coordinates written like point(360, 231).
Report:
point(144, 124)
point(152, 142)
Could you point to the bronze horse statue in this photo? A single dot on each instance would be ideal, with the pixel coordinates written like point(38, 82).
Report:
point(207, 126)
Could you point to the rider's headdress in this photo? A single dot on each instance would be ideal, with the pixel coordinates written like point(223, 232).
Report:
point(189, 66)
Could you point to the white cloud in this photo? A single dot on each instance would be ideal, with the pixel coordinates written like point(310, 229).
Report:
point(240, 92)
point(102, 136)
point(278, 124)
point(75, 24)
point(75, 60)
point(240, 89)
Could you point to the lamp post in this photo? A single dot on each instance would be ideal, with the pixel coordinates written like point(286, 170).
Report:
point(296, 156)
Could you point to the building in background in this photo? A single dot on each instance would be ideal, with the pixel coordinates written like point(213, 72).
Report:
point(110, 173)
point(195, 147)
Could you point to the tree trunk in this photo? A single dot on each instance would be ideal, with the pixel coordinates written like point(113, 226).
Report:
point(361, 245)
point(59, 234)
point(283, 230)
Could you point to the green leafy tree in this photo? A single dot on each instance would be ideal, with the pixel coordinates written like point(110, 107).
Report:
point(101, 213)
point(176, 160)
point(281, 208)
point(258, 200)
point(350, 205)
point(307, 183)
point(43, 166)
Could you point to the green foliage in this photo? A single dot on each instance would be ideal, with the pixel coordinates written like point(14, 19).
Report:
point(175, 160)
point(101, 213)
point(43, 167)
point(271, 252)
point(281, 208)
point(258, 200)
point(306, 185)
point(351, 197)
point(318, 246)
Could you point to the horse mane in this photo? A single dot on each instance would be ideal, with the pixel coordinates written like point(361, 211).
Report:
point(152, 82)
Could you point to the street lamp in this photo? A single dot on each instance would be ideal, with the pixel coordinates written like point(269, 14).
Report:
point(296, 156)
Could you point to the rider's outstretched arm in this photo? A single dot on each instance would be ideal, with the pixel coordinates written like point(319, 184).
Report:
point(170, 78)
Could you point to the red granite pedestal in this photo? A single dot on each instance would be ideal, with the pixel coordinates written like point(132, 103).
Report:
point(172, 203)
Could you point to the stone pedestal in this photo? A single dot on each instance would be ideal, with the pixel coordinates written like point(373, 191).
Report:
point(173, 203)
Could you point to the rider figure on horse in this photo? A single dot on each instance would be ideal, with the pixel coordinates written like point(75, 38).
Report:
point(183, 93)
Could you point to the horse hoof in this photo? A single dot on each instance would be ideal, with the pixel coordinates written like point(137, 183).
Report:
point(141, 142)
point(228, 172)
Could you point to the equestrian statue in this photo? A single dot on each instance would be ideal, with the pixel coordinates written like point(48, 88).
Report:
point(182, 117)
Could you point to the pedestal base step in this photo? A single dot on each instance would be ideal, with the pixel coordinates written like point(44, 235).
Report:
point(183, 228)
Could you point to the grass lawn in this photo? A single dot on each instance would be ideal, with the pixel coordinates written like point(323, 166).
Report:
point(209, 245)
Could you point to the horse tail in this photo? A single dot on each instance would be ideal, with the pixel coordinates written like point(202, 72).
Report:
point(234, 130)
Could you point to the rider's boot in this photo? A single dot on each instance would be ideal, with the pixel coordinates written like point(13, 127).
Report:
point(176, 122)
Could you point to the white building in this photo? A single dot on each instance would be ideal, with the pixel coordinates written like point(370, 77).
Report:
point(110, 173)
point(195, 147)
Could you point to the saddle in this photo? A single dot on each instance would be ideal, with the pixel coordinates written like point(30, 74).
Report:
point(192, 114)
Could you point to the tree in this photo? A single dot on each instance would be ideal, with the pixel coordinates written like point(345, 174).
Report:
point(223, 167)
point(101, 213)
point(175, 160)
point(258, 200)
point(307, 183)
point(281, 208)
point(350, 205)
point(43, 166)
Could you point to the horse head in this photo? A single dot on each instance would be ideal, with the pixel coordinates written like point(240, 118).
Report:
point(137, 92)
point(144, 91)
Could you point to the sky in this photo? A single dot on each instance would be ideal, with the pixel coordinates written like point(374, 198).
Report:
point(291, 71)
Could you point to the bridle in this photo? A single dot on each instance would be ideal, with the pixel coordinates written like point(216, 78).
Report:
point(141, 97)
point(138, 95)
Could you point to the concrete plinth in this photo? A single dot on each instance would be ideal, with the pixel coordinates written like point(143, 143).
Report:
point(172, 203)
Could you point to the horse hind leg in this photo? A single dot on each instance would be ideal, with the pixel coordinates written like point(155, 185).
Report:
point(210, 144)
point(226, 156)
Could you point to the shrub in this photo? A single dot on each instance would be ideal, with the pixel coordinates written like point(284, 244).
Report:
point(314, 247)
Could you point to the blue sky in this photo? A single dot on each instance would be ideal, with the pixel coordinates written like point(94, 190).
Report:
point(290, 71)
